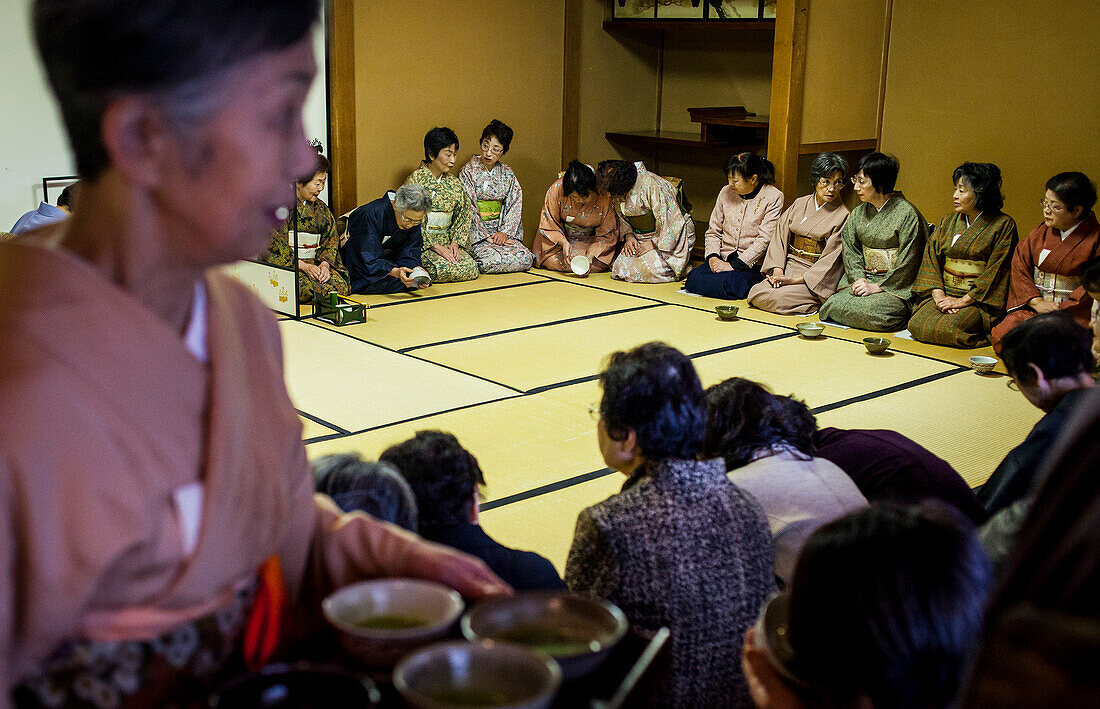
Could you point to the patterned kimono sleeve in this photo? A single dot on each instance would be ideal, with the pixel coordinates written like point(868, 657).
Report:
point(661, 195)
point(328, 247)
point(590, 568)
point(991, 288)
point(550, 224)
point(1021, 279)
point(460, 219)
point(930, 275)
point(776, 254)
point(852, 249)
point(912, 230)
point(511, 216)
point(608, 228)
point(753, 255)
point(478, 231)
point(277, 252)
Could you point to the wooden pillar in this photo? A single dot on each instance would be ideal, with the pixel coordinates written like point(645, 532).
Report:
point(788, 81)
point(571, 83)
point(340, 72)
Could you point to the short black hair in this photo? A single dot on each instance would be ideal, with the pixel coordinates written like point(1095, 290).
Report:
point(436, 139)
point(985, 180)
point(801, 423)
point(94, 50)
point(500, 131)
point(68, 196)
point(905, 589)
point(1075, 189)
point(1053, 342)
point(442, 474)
point(616, 177)
point(826, 164)
point(322, 166)
point(748, 164)
point(1090, 275)
point(578, 178)
point(881, 169)
point(654, 390)
point(374, 488)
point(743, 417)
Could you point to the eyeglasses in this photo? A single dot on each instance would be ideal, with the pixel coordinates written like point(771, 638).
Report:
point(859, 180)
point(405, 221)
point(1050, 206)
point(594, 411)
point(1011, 384)
point(497, 150)
point(826, 182)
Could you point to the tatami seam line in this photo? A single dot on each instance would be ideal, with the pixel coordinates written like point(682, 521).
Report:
point(326, 424)
point(427, 298)
point(545, 489)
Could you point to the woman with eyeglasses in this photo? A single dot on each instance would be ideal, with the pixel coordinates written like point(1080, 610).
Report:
point(884, 611)
point(883, 245)
point(1046, 267)
point(802, 264)
point(963, 280)
point(496, 204)
point(446, 255)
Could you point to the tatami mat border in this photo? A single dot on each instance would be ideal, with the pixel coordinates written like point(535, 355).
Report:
point(315, 419)
point(428, 298)
point(545, 489)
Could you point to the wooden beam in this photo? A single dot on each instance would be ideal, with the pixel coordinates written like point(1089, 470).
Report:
point(340, 72)
point(882, 75)
point(788, 82)
point(571, 83)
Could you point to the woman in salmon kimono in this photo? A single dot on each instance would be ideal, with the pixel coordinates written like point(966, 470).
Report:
point(802, 265)
point(320, 267)
point(657, 235)
point(156, 500)
point(447, 254)
point(883, 243)
point(576, 221)
point(496, 205)
point(963, 280)
point(1046, 266)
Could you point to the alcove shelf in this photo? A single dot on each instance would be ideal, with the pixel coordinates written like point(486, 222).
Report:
point(727, 27)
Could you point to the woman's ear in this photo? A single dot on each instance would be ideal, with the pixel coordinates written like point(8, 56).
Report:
point(136, 139)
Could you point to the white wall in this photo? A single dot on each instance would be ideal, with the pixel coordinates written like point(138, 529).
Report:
point(32, 139)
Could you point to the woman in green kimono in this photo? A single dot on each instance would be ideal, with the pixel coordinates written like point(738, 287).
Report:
point(447, 253)
point(963, 281)
point(320, 268)
point(883, 244)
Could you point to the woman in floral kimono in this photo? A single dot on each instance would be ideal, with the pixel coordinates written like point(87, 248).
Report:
point(320, 268)
point(447, 254)
point(963, 280)
point(657, 235)
point(496, 202)
point(576, 221)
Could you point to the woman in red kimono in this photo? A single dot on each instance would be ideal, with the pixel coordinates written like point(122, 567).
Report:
point(1046, 267)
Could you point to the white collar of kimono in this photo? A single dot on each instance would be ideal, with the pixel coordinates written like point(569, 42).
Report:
point(195, 336)
point(1069, 231)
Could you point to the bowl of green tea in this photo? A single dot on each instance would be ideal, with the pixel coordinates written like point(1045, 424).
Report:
point(577, 632)
point(379, 621)
point(488, 674)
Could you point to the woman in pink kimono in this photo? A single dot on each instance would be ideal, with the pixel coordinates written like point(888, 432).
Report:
point(657, 235)
point(745, 216)
point(576, 221)
point(802, 266)
point(155, 495)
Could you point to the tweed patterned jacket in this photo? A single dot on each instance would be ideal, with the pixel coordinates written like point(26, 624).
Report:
point(683, 547)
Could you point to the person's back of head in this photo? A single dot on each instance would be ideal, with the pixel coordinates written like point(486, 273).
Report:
point(885, 607)
point(1090, 276)
point(616, 177)
point(1052, 344)
point(578, 179)
point(374, 488)
point(443, 475)
point(743, 417)
point(67, 199)
point(654, 391)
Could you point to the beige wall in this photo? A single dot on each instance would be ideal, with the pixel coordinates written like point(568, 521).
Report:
point(1010, 82)
point(471, 63)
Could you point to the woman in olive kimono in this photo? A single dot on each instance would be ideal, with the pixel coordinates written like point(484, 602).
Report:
point(447, 255)
point(802, 265)
point(963, 281)
point(496, 205)
point(320, 268)
point(657, 235)
point(883, 244)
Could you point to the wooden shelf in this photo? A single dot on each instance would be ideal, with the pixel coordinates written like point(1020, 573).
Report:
point(679, 139)
point(717, 26)
point(839, 146)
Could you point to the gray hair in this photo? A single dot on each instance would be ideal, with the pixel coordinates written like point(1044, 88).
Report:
point(375, 488)
point(412, 197)
point(826, 164)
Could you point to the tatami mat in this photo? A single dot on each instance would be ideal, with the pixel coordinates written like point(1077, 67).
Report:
point(355, 385)
point(439, 290)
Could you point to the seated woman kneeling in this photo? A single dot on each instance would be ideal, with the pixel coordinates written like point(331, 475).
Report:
point(802, 264)
point(576, 221)
point(447, 255)
point(745, 215)
point(657, 235)
point(384, 241)
point(963, 281)
point(883, 245)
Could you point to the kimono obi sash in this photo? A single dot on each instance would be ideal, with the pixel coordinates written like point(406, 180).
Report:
point(438, 223)
point(879, 261)
point(307, 244)
point(645, 224)
point(959, 275)
point(807, 247)
point(1055, 287)
point(489, 209)
point(583, 233)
